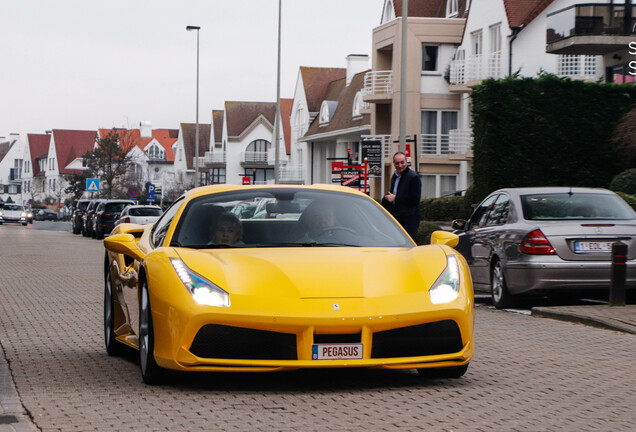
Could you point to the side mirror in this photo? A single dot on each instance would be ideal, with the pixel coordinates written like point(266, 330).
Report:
point(124, 244)
point(444, 238)
point(458, 224)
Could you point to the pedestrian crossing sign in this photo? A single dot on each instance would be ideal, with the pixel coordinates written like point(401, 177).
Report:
point(92, 185)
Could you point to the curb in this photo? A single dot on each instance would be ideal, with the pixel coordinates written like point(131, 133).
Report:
point(569, 316)
point(13, 418)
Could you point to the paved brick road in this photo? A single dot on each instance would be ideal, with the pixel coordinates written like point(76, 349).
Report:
point(529, 374)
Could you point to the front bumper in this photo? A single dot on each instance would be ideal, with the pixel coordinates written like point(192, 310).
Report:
point(20, 219)
point(441, 336)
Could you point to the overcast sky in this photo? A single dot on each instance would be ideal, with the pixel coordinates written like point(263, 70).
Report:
point(88, 64)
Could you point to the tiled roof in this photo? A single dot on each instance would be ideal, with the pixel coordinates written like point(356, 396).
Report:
point(72, 144)
point(240, 115)
point(4, 149)
point(422, 8)
point(522, 12)
point(130, 138)
point(343, 116)
point(217, 121)
point(189, 134)
point(315, 81)
point(285, 115)
point(38, 147)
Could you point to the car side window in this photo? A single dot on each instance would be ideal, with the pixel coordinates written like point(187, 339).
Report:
point(480, 216)
point(160, 229)
point(499, 213)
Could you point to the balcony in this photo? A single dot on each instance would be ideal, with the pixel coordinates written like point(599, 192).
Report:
point(257, 158)
point(457, 141)
point(214, 158)
point(291, 174)
point(476, 68)
point(378, 87)
point(590, 29)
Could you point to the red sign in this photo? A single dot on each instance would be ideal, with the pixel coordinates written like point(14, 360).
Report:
point(247, 180)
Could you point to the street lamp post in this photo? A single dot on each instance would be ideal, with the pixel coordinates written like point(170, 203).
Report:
point(196, 135)
point(277, 115)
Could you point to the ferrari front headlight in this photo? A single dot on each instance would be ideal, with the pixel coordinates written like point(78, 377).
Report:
point(446, 287)
point(203, 291)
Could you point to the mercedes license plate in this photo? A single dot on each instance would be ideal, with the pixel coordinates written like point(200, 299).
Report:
point(593, 246)
point(338, 351)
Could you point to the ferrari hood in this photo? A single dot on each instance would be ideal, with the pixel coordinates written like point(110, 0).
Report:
point(315, 272)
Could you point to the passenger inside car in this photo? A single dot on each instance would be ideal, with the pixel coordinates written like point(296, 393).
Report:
point(226, 230)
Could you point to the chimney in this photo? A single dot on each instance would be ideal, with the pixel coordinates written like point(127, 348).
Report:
point(145, 129)
point(356, 63)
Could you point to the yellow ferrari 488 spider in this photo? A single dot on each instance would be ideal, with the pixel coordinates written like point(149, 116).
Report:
point(270, 278)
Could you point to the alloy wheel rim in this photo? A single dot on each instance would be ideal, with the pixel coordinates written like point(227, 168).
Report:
point(497, 283)
point(108, 310)
point(143, 329)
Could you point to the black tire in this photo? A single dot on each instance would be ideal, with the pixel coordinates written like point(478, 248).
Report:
point(501, 297)
point(151, 373)
point(113, 346)
point(446, 372)
point(99, 235)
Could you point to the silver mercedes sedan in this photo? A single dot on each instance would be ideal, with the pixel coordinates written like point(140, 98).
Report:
point(545, 240)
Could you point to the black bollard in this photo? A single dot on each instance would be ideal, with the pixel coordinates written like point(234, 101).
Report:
point(619, 273)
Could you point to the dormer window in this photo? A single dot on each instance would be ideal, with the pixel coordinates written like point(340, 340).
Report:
point(357, 106)
point(327, 110)
point(155, 152)
point(452, 8)
point(389, 12)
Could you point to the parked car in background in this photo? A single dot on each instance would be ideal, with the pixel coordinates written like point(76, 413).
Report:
point(546, 240)
point(13, 213)
point(106, 213)
point(139, 214)
point(87, 217)
point(45, 214)
point(76, 217)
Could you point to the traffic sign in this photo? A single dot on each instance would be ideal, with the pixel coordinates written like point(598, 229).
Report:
point(132, 192)
point(151, 192)
point(92, 185)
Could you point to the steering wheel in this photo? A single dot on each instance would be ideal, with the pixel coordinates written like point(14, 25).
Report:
point(326, 230)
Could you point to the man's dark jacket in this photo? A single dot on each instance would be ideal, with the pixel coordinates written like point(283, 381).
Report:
point(406, 207)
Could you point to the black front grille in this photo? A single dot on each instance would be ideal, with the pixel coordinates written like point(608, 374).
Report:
point(442, 337)
point(225, 342)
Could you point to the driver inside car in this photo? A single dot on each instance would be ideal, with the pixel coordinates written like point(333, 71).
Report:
point(323, 225)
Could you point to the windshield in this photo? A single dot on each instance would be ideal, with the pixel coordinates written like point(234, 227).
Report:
point(575, 206)
point(286, 218)
point(145, 211)
point(13, 207)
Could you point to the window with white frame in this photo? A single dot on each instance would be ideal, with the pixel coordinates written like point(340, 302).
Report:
point(217, 175)
point(430, 55)
point(476, 39)
point(154, 152)
point(299, 121)
point(452, 8)
point(357, 106)
point(495, 38)
point(389, 12)
point(435, 127)
point(438, 185)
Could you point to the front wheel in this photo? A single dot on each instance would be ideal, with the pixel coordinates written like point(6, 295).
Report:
point(150, 371)
point(501, 297)
point(113, 347)
point(447, 372)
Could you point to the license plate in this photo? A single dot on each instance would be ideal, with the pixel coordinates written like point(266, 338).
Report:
point(593, 246)
point(336, 351)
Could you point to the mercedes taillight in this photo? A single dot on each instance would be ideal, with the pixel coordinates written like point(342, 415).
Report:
point(536, 243)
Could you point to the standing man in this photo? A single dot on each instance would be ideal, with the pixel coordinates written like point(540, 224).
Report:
point(403, 199)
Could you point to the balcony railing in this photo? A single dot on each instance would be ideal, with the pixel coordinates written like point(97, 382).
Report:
point(258, 157)
point(596, 19)
point(291, 173)
point(476, 68)
point(378, 82)
point(457, 141)
point(215, 157)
